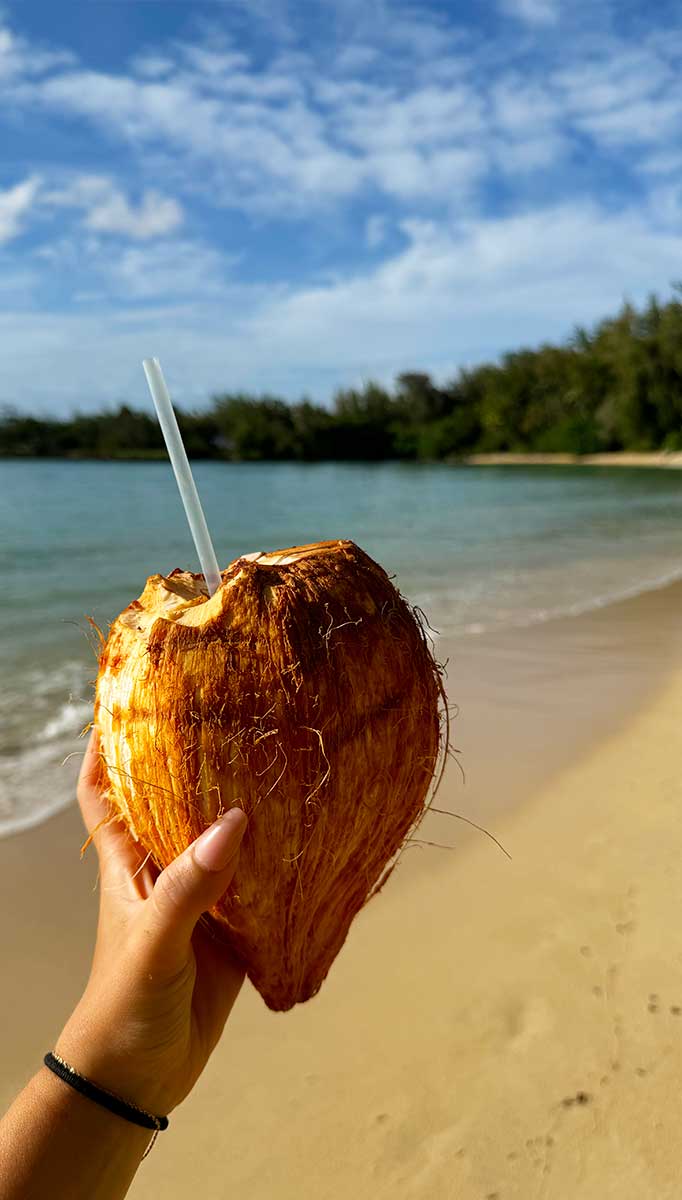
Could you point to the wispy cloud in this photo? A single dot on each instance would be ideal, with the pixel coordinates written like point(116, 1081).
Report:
point(105, 208)
point(15, 204)
point(171, 270)
point(624, 96)
point(433, 122)
point(21, 58)
point(291, 135)
point(535, 12)
point(153, 216)
point(451, 296)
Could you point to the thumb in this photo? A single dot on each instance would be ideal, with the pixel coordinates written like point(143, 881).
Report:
point(194, 882)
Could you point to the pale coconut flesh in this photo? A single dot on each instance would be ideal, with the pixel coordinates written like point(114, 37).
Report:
point(305, 692)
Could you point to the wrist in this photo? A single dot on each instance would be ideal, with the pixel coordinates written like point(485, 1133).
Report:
point(69, 1105)
point(107, 1064)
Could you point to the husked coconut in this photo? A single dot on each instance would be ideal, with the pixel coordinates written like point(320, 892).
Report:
point(304, 691)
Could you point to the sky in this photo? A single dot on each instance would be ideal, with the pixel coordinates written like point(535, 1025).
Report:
point(292, 197)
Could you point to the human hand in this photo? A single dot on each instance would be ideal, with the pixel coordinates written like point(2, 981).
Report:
point(160, 987)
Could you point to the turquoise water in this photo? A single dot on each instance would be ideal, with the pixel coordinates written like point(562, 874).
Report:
point(477, 549)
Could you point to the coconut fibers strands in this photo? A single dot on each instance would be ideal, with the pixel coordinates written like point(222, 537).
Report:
point(304, 691)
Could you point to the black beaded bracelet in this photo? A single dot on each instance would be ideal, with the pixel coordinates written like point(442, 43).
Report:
point(115, 1104)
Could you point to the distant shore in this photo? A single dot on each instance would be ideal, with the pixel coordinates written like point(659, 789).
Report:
point(670, 459)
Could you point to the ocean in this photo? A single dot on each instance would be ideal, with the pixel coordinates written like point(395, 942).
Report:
point(478, 549)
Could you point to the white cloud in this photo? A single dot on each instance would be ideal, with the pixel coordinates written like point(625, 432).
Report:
point(270, 157)
point(297, 134)
point(259, 139)
point(15, 204)
point(622, 95)
point(80, 191)
point(107, 210)
point(215, 63)
point(20, 58)
point(454, 295)
point(459, 294)
point(294, 136)
point(524, 106)
point(645, 121)
point(154, 215)
point(613, 75)
point(356, 58)
point(666, 162)
point(152, 66)
point(168, 270)
point(430, 116)
point(165, 271)
point(535, 12)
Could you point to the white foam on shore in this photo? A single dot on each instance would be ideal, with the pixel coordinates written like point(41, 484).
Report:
point(65, 677)
point(69, 716)
point(38, 779)
point(540, 616)
point(36, 784)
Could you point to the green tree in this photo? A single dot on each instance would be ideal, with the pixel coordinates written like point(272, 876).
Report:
point(363, 423)
point(618, 386)
point(252, 429)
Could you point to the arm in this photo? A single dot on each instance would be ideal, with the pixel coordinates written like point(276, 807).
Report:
point(159, 993)
point(55, 1143)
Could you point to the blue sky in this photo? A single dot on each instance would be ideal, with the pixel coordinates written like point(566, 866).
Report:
point(296, 196)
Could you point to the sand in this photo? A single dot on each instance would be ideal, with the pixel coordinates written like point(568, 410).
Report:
point(493, 1028)
point(615, 458)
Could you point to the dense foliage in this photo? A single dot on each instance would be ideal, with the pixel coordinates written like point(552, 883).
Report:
point(618, 387)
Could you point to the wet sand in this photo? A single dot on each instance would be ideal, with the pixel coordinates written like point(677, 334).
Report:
point(492, 1028)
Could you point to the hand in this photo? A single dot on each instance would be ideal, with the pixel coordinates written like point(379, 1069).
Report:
point(160, 987)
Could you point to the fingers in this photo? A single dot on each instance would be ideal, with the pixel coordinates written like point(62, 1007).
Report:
point(191, 884)
point(119, 855)
point(90, 784)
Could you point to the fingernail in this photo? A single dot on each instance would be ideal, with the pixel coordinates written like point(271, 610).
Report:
point(218, 844)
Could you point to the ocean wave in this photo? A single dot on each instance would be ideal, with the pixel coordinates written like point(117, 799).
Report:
point(578, 608)
point(67, 676)
point(71, 715)
point(38, 776)
point(36, 784)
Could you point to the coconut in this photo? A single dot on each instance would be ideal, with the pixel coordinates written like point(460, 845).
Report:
point(303, 690)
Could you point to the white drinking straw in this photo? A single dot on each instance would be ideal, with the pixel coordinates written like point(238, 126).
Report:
point(183, 473)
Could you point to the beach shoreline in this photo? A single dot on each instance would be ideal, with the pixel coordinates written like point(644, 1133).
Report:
point(665, 459)
point(487, 1028)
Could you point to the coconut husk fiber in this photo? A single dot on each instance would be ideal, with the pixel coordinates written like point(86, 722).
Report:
point(304, 691)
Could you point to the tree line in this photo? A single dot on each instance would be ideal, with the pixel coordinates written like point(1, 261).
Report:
point(615, 387)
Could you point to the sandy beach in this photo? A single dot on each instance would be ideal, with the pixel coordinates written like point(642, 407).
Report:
point(615, 458)
point(493, 1028)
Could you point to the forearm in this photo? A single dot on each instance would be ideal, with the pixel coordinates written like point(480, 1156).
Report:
point(159, 992)
point(58, 1145)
